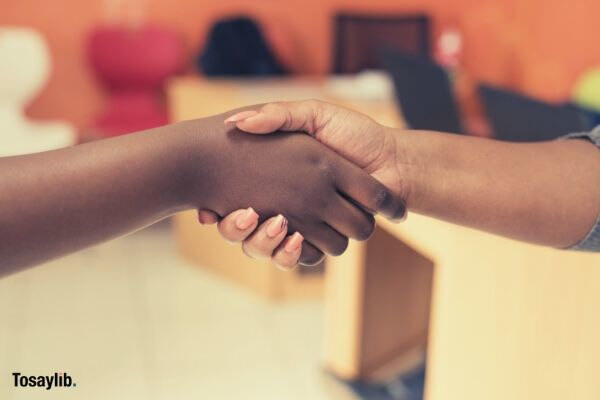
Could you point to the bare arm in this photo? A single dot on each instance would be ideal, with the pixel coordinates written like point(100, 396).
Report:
point(546, 193)
point(56, 202)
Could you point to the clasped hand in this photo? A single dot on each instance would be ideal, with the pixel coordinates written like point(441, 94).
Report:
point(329, 197)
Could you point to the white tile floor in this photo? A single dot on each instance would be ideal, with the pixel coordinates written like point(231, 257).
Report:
point(131, 320)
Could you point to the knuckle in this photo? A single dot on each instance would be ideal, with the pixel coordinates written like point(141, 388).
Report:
point(399, 212)
point(315, 105)
point(365, 229)
point(385, 201)
point(313, 159)
point(280, 110)
point(255, 250)
point(380, 197)
point(271, 107)
point(228, 232)
point(339, 247)
point(326, 170)
point(322, 204)
point(316, 111)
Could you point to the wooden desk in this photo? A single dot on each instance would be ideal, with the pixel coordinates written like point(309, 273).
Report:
point(508, 320)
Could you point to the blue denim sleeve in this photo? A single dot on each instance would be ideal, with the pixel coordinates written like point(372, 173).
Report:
point(592, 241)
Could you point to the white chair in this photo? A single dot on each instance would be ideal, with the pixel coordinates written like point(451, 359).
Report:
point(24, 70)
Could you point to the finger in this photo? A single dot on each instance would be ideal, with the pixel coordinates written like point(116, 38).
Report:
point(365, 190)
point(240, 116)
point(351, 220)
point(207, 217)
point(297, 116)
point(326, 239)
point(266, 238)
point(238, 225)
point(287, 254)
point(310, 255)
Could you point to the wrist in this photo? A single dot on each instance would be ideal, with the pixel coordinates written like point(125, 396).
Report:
point(162, 165)
point(399, 166)
point(412, 164)
point(188, 141)
point(202, 157)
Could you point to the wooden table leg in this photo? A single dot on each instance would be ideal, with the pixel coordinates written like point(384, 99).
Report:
point(377, 300)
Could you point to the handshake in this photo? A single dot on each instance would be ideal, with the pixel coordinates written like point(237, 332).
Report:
point(305, 189)
point(310, 186)
point(293, 181)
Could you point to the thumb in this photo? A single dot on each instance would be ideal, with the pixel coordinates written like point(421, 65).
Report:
point(298, 116)
point(262, 123)
point(256, 122)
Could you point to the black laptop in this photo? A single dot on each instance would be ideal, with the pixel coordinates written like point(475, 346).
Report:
point(517, 118)
point(424, 92)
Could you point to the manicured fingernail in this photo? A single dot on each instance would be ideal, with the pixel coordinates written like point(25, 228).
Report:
point(241, 116)
point(294, 243)
point(276, 226)
point(246, 219)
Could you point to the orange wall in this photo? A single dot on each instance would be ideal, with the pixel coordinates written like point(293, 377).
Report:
point(538, 45)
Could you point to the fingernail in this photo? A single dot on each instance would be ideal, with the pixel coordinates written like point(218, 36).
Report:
point(294, 243)
point(276, 226)
point(241, 116)
point(246, 219)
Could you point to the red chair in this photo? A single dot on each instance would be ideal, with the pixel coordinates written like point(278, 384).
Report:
point(133, 65)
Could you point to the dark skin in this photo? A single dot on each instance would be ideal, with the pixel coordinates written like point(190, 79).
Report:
point(57, 202)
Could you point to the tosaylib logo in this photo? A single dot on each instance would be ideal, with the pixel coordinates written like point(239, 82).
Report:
point(59, 379)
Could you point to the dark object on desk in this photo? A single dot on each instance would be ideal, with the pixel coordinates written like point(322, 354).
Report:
point(408, 386)
point(424, 92)
point(359, 38)
point(590, 115)
point(517, 118)
point(237, 47)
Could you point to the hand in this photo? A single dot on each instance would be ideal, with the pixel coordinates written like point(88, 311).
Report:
point(355, 136)
point(351, 134)
point(270, 240)
point(290, 174)
point(522, 191)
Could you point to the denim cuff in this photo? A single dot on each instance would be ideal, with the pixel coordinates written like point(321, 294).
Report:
point(592, 241)
point(593, 136)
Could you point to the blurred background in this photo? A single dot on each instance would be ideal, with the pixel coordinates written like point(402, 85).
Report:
point(171, 312)
point(516, 44)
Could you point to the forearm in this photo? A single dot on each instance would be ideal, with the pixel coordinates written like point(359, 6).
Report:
point(546, 193)
point(56, 202)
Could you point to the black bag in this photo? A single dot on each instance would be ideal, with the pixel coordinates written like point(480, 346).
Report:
point(237, 47)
